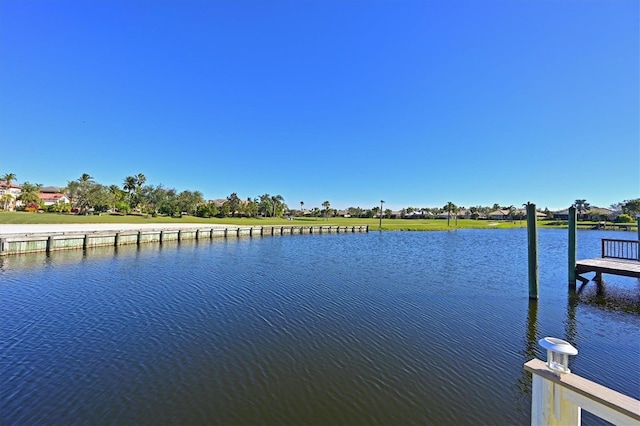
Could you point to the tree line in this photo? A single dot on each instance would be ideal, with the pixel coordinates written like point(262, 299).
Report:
point(135, 195)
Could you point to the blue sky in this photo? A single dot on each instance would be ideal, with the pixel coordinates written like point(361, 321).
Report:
point(414, 102)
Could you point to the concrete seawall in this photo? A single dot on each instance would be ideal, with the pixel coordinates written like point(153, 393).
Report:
point(18, 239)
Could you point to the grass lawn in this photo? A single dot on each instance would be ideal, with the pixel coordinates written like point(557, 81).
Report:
point(387, 224)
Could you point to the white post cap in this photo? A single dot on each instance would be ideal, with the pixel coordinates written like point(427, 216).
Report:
point(558, 346)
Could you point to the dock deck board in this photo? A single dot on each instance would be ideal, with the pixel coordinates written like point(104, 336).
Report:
point(627, 268)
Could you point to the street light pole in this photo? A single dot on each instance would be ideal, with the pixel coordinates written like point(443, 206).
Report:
point(381, 203)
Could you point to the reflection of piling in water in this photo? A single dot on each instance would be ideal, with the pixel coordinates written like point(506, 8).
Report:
point(528, 352)
point(570, 328)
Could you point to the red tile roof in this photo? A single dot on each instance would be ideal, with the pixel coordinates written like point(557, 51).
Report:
point(3, 184)
point(50, 197)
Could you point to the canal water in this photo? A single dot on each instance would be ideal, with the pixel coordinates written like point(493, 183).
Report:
point(377, 328)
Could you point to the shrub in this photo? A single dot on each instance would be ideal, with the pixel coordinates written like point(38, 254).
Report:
point(624, 218)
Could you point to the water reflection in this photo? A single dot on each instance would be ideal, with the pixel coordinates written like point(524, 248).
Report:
point(529, 351)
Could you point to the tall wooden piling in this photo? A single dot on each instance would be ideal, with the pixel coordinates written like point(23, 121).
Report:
point(573, 247)
point(532, 239)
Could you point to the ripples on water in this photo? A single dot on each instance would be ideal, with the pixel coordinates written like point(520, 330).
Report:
point(391, 328)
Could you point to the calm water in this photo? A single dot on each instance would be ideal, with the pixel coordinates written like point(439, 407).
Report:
point(378, 328)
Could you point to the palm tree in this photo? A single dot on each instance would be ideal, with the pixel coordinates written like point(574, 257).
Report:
point(8, 178)
point(117, 194)
point(301, 204)
point(129, 185)
point(30, 193)
point(582, 206)
point(326, 206)
point(277, 204)
point(458, 210)
point(449, 207)
point(86, 177)
point(140, 180)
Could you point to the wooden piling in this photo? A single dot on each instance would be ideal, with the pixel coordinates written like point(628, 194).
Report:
point(49, 244)
point(573, 247)
point(532, 239)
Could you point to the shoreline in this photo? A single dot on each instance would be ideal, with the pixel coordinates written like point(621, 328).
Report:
point(20, 239)
point(11, 230)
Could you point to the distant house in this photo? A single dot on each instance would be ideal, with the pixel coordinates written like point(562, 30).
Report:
point(417, 214)
point(14, 191)
point(51, 189)
point(50, 199)
point(499, 215)
point(594, 214)
point(599, 213)
point(462, 214)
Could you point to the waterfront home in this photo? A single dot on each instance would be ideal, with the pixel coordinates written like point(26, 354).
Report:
point(593, 214)
point(50, 199)
point(13, 192)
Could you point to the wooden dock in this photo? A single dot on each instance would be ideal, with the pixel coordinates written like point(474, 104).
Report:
point(626, 268)
point(619, 257)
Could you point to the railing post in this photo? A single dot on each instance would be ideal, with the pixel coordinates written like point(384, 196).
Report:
point(550, 407)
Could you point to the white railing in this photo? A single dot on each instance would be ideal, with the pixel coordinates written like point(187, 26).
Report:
point(557, 399)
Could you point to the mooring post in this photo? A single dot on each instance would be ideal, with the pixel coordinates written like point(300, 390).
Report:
point(532, 239)
point(638, 229)
point(573, 247)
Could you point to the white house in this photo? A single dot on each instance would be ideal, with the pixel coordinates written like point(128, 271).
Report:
point(14, 191)
point(50, 199)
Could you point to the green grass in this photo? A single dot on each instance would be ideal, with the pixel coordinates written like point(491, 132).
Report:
point(387, 224)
